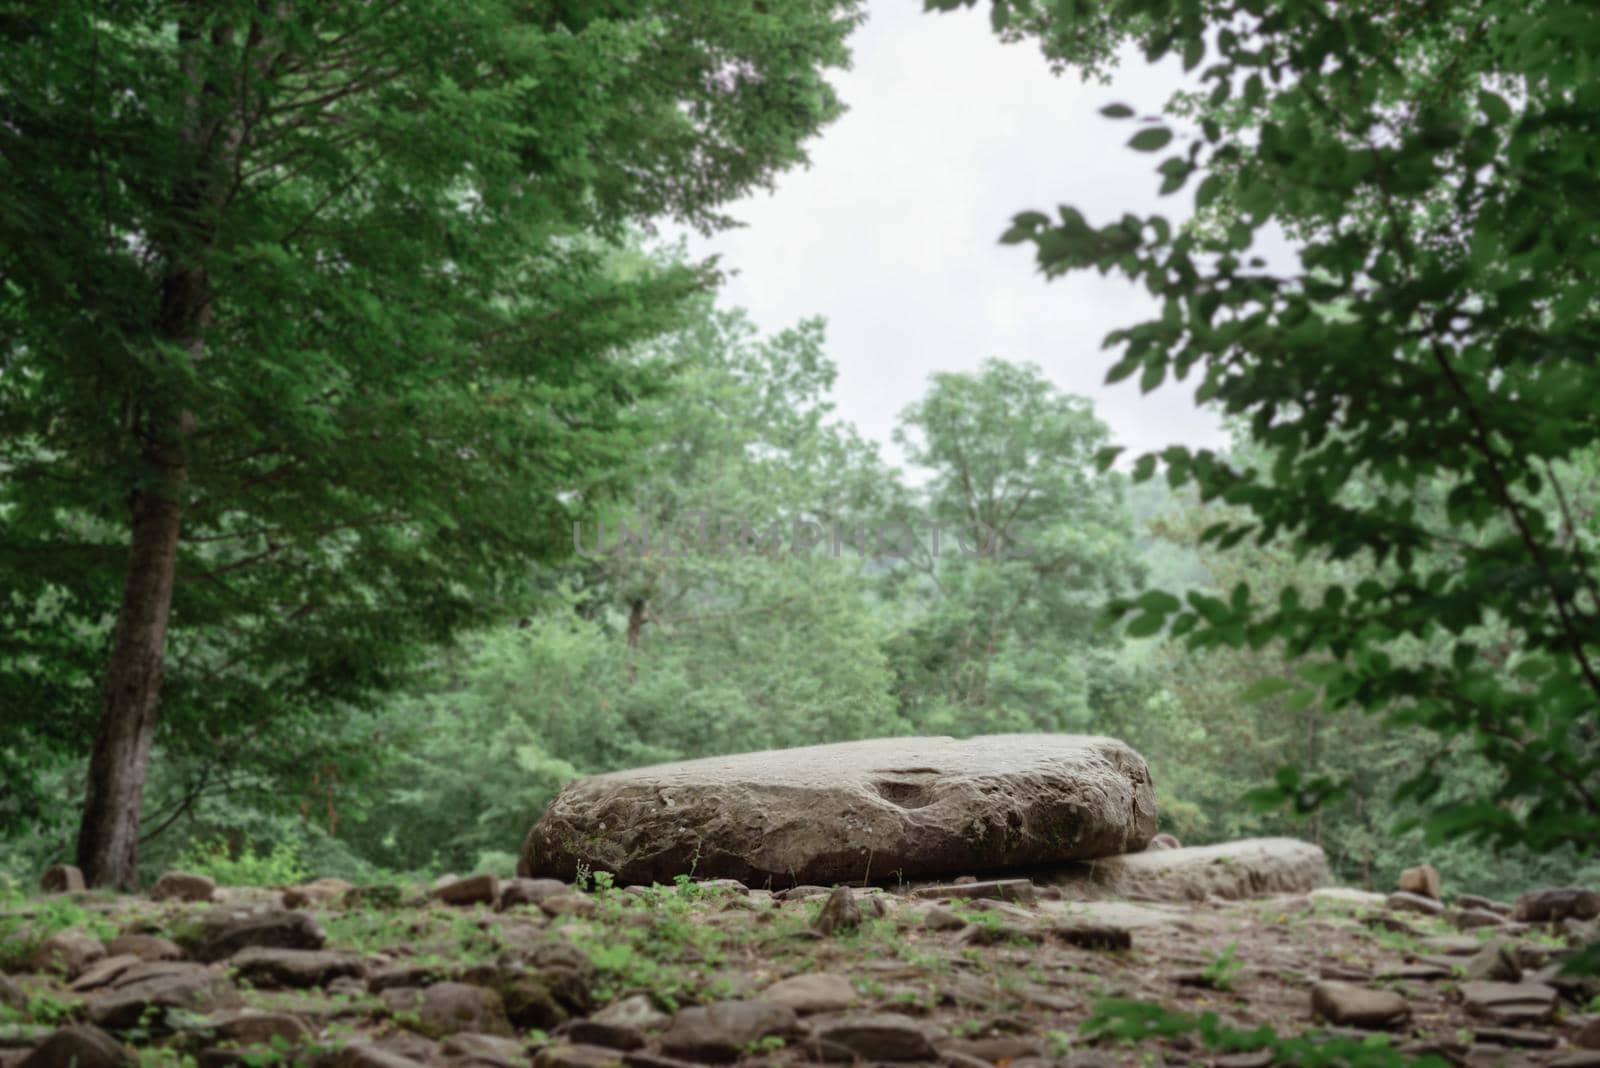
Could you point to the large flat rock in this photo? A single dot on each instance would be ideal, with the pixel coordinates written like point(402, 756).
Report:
point(1247, 868)
point(875, 811)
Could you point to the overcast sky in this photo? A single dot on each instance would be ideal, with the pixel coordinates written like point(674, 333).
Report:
point(891, 234)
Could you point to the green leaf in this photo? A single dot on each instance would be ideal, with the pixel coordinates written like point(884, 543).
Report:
point(1150, 139)
point(1117, 111)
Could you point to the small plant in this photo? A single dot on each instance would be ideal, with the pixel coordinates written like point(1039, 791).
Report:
point(769, 1044)
point(1221, 972)
point(1060, 1043)
point(282, 866)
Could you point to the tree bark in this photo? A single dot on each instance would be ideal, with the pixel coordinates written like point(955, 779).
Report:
point(108, 836)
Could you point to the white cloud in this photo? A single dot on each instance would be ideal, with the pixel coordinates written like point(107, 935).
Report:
point(892, 233)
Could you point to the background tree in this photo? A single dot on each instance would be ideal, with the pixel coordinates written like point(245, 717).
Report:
point(308, 315)
point(999, 629)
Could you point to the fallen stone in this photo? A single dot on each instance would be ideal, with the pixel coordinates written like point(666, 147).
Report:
point(1472, 919)
point(266, 966)
point(874, 1036)
point(1345, 895)
point(812, 993)
point(472, 1050)
point(1496, 962)
point(1423, 880)
point(316, 892)
point(253, 1027)
point(1089, 935)
point(149, 989)
point(720, 1032)
point(592, 1032)
point(78, 1046)
point(183, 886)
point(103, 972)
point(367, 1055)
point(997, 1050)
point(571, 903)
point(1576, 1059)
point(1555, 905)
point(1020, 890)
point(1164, 841)
point(68, 952)
point(473, 890)
point(1588, 1036)
point(61, 879)
point(637, 1012)
point(839, 913)
point(144, 946)
point(1354, 1006)
point(1453, 945)
point(514, 892)
point(1509, 1003)
point(448, 1008)
point(1251, 867)
point(1402, 901)
point(578, 1056)
point(940, 918)
point(11, 995)
point(223, 932)
point(892, 808)
point(1474, 901)
point(1507, 1036)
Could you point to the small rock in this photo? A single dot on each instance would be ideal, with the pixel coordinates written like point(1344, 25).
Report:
point(367, 1055)
point(103, 972)
point(153, 987)
point(577, 1056)
point(224, 932)
point(1423, 880)
point(79, 1046)
point(637, 1012)
point(514, 892)
point(940, 918)
point(592, 1032)
point(316, 892)
point(1164, 841)
point(1509, 1003)
point(448, 1008)
point(1473, 901)
point(875, 1036)
point(1555, 905)
point(1588, 1036)
point(1019, 890)
point(61, 879)
point(803, 891)
point(1507, 1036)
point(1403, 901)
point(485, 1051)
point(1471, 919)
point(11, 995)
point(1496, 961)
point(720, 1032)
point(300, 968)
point(1087, 935)
point(183, 886)
point(812, 993)
point(1452, 945)
point(838, 913)
point(473, 890)
point(1577, 1059)
point(144, 946)
point(69, 952)
point(568, 904)
point(1355, 1006)
point(253, 1027)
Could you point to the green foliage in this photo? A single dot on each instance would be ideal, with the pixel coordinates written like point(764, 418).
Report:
point(282, 866)
point(1432, 337)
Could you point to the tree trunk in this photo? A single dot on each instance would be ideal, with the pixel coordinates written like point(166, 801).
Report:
point(108, 836)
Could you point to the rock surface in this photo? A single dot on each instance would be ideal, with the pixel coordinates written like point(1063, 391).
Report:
point(1234, 870)
point(885, 809)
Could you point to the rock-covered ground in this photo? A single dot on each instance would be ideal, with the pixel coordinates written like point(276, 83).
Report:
point(487, 973)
